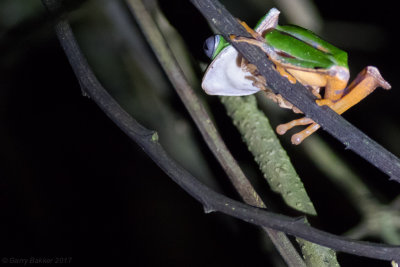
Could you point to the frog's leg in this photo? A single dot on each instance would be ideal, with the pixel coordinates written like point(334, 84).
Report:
point(364, 84)
point(336, 82)
point(283, 128)
point(252, 32)
point(282, 71)
point(315, 91)
point(260, 42)
point(270, 21)
point(300, 136)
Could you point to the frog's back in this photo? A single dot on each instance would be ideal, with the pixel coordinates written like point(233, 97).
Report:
point(301, 47)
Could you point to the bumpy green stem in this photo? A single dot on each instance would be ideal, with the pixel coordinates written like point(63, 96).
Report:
point(276, 168)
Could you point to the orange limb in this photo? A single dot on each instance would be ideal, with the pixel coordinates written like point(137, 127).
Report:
point(252, 32)
point(255, 41)
point(283, 128)
point(364, 84)
point(260, 43)
point(299, 137)
point(284, 73)
point(335, 85)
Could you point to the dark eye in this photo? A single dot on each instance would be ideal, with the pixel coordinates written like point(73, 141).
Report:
point(209, 46)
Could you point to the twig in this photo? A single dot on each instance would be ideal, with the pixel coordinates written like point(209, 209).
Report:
point(211, 200)
point(378, 220)
point(192, 103)
point(299, 96)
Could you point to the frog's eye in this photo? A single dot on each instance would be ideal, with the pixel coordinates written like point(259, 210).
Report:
point(210, 45)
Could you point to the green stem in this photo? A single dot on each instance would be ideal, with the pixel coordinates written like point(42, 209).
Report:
point(276, 168)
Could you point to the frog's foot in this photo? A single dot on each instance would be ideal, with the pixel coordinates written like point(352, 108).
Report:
point(370, 75)
point(364, 84)
point(269, 22)
point(283, 128)
point(300, 136)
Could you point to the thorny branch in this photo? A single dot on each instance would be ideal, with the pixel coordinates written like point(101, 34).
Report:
point(211, 200)
point(299, 96)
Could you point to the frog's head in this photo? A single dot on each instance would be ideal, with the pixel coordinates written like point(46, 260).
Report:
point(224, 76)
point(214, 45)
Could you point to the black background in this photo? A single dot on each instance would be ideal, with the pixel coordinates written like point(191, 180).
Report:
point(73, 185)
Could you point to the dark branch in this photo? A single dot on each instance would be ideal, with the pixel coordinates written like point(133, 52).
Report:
point(302, 98)
point(211, 200)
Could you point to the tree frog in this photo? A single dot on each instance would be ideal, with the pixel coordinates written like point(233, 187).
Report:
point(298, 55)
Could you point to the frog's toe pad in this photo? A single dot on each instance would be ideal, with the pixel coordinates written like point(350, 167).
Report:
point(300, 136)
point(297, 139)
point(374, 72)
point(282, 129)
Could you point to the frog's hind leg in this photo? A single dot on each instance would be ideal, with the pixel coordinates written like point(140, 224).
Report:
point(364, 84)
point(261, 44)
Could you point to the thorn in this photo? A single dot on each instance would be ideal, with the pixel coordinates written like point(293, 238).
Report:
point(154, 137)
point(394, 178)
point(208, 209)
point(83, 91)
point(300, 219)
point(346, 145)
